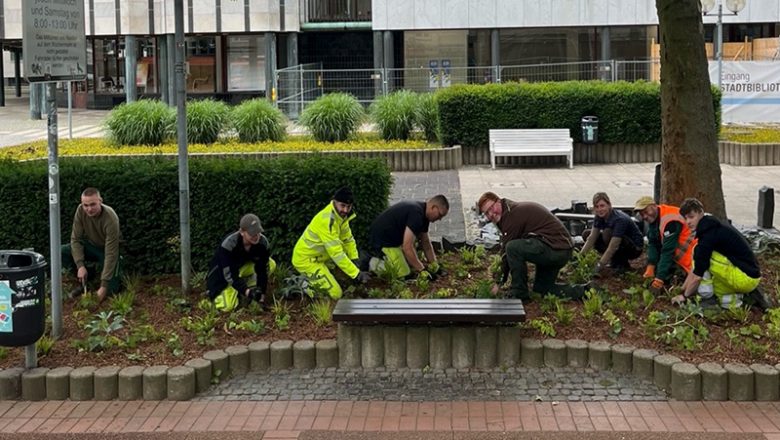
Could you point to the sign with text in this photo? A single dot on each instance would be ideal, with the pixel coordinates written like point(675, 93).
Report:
point(54, 42)
point(751, 90)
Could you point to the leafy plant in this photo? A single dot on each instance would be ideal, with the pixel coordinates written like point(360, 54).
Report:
point(143, 122)
point(281, 314)
point(751, 331)
point(101, 331)
point(198, 281)
point(580, 271)
point(682, 328)
point(495, 265)
point(278, 276)
point(257, 120)
point(423, 280)
point(469, 256)
point(87, 302)
point(483, 289)
point(543, 326)
point(322, 312)
point(564, 315)
point(206, 118)
point(443, 293)
point(203, 326)
point(395, 114)
point(389, 271)
point(738, 313)
point(174, 344)
point(333, 117)
point(295, 286)
point(615, 325)
point(772, 319)
point(755, 349)
point(427, 116)
point(122, 303)
point(43, 345)
point(376, 293)
point(549, 303)
point(252, 326)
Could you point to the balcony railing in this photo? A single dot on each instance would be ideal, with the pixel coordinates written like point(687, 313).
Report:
point(323, 11)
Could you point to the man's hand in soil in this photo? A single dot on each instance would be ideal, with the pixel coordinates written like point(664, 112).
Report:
point(657, 286)
point(679, 299)
point(82, 274)
point(101, 294)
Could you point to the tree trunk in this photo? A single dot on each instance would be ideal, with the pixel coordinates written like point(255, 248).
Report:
point(689, 158)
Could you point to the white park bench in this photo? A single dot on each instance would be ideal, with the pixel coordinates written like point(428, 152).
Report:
point(531, 142)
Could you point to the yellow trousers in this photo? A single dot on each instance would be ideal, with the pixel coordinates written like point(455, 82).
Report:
point(227, 300)
point(395, 258)
point(726, 281)
point(319, 275)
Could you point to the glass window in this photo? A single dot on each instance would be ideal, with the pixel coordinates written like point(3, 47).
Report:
point(109, 65)
point(246, 63)
point(146, 67)
point(201, 64)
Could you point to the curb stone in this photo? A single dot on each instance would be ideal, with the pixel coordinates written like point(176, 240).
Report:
point(577, 353)
point(741, 384)
point(203, 373)
point(600, 355)
point(131, 383)
point(259, 356)
point(662, 370)
point(304, 355)
point(34, 384)
point(82, 383)
point(531, 353)
point(238, 359)
point(281, 355)
point(11, 383)
point(686, 382)
point(107, 383)
point(767, 380)
point(155, 385)
point(554, 353)
point(714, 381)
point(58, 383)
point(327, 353)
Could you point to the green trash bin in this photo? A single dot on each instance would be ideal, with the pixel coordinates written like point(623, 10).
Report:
point(22, 297)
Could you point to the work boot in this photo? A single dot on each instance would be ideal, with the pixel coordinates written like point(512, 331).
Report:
point(759, 299)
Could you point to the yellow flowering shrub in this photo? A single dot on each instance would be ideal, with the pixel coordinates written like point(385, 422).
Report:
point(751, 135)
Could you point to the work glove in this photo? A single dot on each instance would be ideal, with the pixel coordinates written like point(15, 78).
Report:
point(649, 272)
point(363, 277)
point(657, 286)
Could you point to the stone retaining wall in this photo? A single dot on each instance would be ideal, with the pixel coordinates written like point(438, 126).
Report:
point(460, 347)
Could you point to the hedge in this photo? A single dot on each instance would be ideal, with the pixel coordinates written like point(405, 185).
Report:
point(628, 112)
point(285, 193)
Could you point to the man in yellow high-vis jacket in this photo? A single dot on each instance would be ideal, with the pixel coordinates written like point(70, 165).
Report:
point(329, 238)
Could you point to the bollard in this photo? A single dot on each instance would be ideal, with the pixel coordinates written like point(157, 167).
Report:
point(766, 207)
point(657, 183)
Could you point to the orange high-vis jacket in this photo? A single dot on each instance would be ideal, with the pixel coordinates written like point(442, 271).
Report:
point(683, 254)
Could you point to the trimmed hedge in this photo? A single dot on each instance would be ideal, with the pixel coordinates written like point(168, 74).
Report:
point(285, 193)
point(628, 112)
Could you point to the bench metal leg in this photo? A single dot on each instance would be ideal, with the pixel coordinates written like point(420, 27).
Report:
point(492, 161)
point(571, 161)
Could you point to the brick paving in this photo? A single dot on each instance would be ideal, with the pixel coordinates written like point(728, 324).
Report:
point(422, 186)
point(524, 384)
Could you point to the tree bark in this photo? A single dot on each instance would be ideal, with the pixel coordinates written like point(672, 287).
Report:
point(689, 153)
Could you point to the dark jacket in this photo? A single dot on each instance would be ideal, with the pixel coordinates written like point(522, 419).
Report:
point(228, 259)
point(715, 236)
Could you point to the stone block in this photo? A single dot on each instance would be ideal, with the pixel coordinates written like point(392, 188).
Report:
point(259, 355)
point(766, 207)
point(741, 382)
point(372, 346)
point(203, 373)
point(622, 358)
point(181, 383)
point(238, 359)
point(531, 353)
point(11, 383)
point(662, 370)
point(486, 348)
point(327, 353)
point(34, 384)
point(643, 362)
point(304, 356)
point(131, 383)
point(220, 363)
point(554, 353)
point(440, 346)
point(686, 382)
point(82, 383)
point(57, 383)
point(348, 338)
point(508, 354)
point(576, 353)
point(107, 383)
point(463, 346)
point(395, 346)
point(417, 343)
point(714, 381)
point(281, 355)
point(767, 382)
point(155, 382)
point(600, 355)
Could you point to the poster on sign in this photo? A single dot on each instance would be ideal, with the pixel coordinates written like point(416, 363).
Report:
point(751, 90)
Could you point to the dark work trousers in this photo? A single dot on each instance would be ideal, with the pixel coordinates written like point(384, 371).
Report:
point(96, 255)
point(548, 262)
point(626, 251)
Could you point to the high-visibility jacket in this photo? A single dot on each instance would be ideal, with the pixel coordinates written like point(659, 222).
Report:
point(683, 253)
point(329, 236)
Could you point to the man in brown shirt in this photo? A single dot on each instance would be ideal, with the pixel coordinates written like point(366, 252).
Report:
point(94, 238)
point(530, 233)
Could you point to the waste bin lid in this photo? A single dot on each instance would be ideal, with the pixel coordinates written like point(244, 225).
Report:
point(590, 119)
point(11, 260)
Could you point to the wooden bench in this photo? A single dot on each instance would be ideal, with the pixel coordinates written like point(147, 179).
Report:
point(531, 142)
point(429, 311)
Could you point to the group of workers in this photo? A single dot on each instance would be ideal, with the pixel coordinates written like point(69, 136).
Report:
point(715, 259)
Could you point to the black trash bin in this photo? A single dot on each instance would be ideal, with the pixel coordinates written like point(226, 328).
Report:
point(22, 297)
point(590, 129)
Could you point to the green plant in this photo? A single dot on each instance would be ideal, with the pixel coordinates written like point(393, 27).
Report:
point(122, 303)
point(143, 122)
point(333, 117)
point(321, 311)
point(423, 281)
point(755, 349)
point(257, 120)
point(682, 328)
point(389, 271)
point(174, 344)
point(198, 281)
point(3, 353)
point(131, 281)
point(469, 255)
point(395, 114)
point(376, 293)
point(252, 326)
point(136, 356)
point(462, 272)
point(278, 276)
point(738, 313)
point(564, 315)
point(87, 302)
point(204, 325)
point(496, 264)
point(443, 293)
point(483, 289)
point(772, 319)
point(580, 270)
point(44, 345)
point(281, 314)
point(751, 331)
point(101, 331)
point(543, 326)
point(549, 303)
point(427, 116)
point(206, 118)
point(615, 325)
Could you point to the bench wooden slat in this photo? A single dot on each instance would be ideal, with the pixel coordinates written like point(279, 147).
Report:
point(429, 310)
point(531, 142)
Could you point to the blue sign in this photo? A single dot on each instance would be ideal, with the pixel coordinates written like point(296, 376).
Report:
point(6, 308)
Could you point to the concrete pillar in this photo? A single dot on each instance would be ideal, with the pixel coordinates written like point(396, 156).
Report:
point(219, 82)
point(495, 52)
point(379, 62)
point(18, 72)
point(162, 67)
point(766, 207)
point(131, 61)
point(292, 49)
point(388, 53)
point(172, 70)
point(270, 65)
point(605, 71)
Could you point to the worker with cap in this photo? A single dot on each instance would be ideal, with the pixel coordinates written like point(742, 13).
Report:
point(240, 266)
point(328, 238)
point(669, 241)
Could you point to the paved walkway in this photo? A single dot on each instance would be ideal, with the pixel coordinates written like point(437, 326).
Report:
point(16, 127)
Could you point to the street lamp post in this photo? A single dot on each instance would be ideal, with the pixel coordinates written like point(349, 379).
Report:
point(735, 6)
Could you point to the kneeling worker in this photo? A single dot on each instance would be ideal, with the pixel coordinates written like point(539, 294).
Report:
point(393, 234)
point(614, 235)
point(240, 266)
point(329, 238)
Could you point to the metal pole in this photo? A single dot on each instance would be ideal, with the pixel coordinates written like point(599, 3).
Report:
point(2, 77)
point(30, 356)
point(54, 213)
point(18, 73)
point(70, 115)
point(719, 52)
point(181, 128)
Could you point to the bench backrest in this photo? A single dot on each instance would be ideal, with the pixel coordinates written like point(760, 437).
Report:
point(396, 311)
point(530, 138)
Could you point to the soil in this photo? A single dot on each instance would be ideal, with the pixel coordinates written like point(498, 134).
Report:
point(160, 306)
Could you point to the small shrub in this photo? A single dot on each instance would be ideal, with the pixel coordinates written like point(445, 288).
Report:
point(205, 120)
point(143, 122)
point(257, 120)
point(333, 117)
point(427, 116)
point(395, 114)
point(44, 345)
point(321, 312)
point(122, 303)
